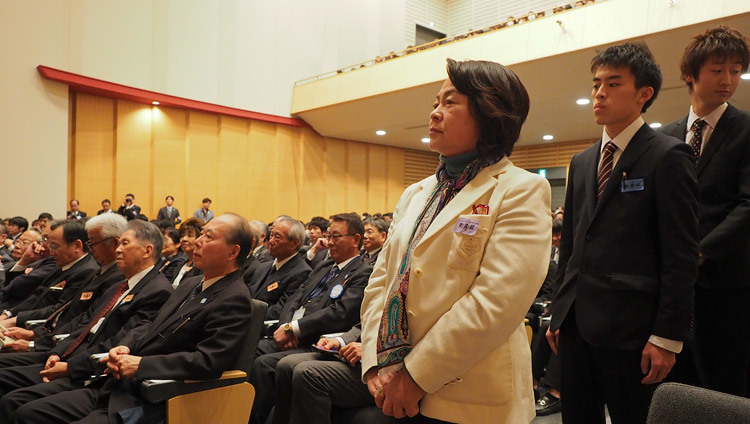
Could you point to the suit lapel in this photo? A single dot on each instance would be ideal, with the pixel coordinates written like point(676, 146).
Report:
point(465, 198)
point(720, 133)
point(637, 146)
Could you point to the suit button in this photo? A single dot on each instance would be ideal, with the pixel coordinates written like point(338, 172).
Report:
point(588, 237)
point(418, 272)
point(410, 313)
point(583, 269)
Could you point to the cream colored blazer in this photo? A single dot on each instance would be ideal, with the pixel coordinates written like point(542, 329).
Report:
point(468, 295)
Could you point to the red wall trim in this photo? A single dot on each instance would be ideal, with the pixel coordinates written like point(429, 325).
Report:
point(83, 84)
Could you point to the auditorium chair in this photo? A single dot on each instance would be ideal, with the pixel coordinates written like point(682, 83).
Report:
point(679, 403)
point(227, 400)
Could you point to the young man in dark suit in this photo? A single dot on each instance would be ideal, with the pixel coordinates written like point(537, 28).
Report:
point(628, 252)
point(169, 213)
point(195, 335)
point(328, 302)
point(719, 135)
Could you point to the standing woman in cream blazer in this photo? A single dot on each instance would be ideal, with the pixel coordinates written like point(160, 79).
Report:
point(443, 338)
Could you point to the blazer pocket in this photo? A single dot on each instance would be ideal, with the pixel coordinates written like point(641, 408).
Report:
point(184, 323)
point(467, 249)
point(488, 382)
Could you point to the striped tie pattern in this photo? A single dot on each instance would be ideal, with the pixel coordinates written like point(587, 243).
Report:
point(605, 169)
point(697, 140)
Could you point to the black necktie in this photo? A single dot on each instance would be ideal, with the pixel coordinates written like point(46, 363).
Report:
point(328, 277)
point(697, 141)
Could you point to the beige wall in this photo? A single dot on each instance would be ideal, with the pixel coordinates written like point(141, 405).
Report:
point(257, 169)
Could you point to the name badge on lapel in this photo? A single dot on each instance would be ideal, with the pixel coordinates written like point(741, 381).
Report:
point(128, 298)
point(635, 184)
point(273, 286)
point(86, 295)
point(466, 226)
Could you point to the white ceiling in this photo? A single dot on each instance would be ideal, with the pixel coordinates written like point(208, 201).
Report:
point(554, 83)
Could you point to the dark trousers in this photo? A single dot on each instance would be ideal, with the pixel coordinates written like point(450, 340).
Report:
point(721, 345)
point(594, 376)
point(418, 419)
point(263, 378)
point(545, 365)
point(13, 378)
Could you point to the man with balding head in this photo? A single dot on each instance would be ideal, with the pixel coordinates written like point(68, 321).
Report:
point(282, 277)
point(27, 272)
point(196, 335)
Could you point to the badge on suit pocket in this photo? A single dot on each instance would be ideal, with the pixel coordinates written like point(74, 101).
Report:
point(86, 295)
point(337, 291)
point(635, 184)
point(273, 286)
point(128, 298)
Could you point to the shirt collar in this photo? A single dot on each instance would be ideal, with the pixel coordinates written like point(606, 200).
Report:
point(210, 282)
point(106, 266)
point(711, 119)
point(277, 264)
point(70, 264)
point(623, 139)
point(374, 251)
point(132, 281)
point(343, 265)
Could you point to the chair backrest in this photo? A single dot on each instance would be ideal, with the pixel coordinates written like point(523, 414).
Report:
point(679, 403)
point(244, 361)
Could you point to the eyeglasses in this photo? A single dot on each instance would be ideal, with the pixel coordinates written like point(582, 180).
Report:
point(89, 244)
point(52, 247)
point(336, 237)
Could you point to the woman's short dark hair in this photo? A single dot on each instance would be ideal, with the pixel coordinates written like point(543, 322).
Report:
point(191, 224)
point(721, 42)
point(497, 100)
point(636, 58)
point(172, 234)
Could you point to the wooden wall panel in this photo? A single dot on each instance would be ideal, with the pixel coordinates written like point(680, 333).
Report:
point(170, 164)
point(202, 160)
point(288, 170)
point(133, 166)
point(233, 182)
point(92, 170)
point(261, 172)
point(336, 177)
point(377, 187)
point(313, 185)
point(395, 175)
point(356, 178)
point(547, 155)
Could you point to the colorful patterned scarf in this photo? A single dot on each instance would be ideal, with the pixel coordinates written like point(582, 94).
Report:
point(393, 334)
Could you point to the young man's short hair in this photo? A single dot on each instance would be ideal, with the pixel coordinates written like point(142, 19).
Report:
point(720, 42)
point(636, 58)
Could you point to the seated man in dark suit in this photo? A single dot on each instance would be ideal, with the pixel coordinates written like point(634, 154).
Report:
point(28, 272)
point(103, 234)
point(281, 278)
point(327, 302)
point(317, 252)
point(308, 385)
point(194, 336)
point(251, 263)
point(75, 212)
point(260, 252)
point(129, 302)
point(376, 231)
point(106, 207)
point(5, 255)
point(65, 241)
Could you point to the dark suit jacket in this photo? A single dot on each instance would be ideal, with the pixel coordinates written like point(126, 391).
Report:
point(320, 257)
point(171, 266)
point(101, 211)
point(248, 269)
point(324, 314)
point(263, 255)
point(148, 296)
point(76, 312)
point(270, 286)
point(131, 213)
point(724, 194)
point(19, 285)
point(164, 215)
point(372, 258)
point(198, 340)
point(45, 298)
point(628, 261)
point(5, 256)
point(79, 215)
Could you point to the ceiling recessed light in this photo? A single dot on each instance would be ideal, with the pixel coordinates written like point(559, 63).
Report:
point(548, 137)
point(583, 101)
point(745, 76)
point(655, 125)
point(425, 139)
point(154, 103)
point(380, 132)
